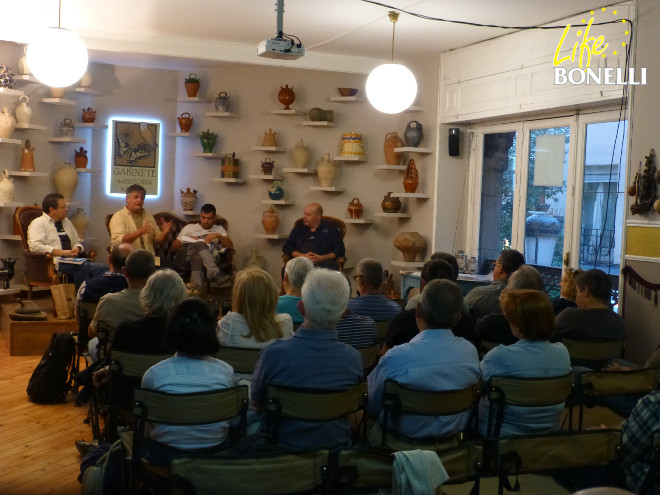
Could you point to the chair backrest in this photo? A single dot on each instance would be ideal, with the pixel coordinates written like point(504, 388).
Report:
point(243, 360)
point(593, 351)
point(134, 364)
point(381, 329)
point(23, 217)
point(335, 221)
point(370, 356)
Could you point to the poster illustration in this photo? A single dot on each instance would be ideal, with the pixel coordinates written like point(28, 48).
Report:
point(135, 155)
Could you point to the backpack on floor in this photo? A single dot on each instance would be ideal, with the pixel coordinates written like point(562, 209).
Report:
point(101, 470)
point(52, 379)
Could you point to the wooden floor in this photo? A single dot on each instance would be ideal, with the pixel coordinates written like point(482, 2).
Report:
point(37, 451)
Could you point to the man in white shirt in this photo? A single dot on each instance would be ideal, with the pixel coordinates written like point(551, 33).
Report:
point(200, 244)
point(54, 233)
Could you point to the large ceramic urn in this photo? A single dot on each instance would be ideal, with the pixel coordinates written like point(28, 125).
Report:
point(270, 220)
point(411, 245)
point(80, 221)
point(392, 141)
point(301, 154)
point(7, 123)
point(65, 179)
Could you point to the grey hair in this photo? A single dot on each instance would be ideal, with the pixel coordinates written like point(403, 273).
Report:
point(372, 271)
point(526, 277)
point(325, 295)
point(164, 290)
point(441, 303)
point(296, 270)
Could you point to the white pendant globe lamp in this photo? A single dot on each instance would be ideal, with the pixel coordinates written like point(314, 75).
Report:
point(56, 56)
point(391, 88)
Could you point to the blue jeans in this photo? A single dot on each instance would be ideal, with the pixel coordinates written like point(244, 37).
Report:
point(80, 273)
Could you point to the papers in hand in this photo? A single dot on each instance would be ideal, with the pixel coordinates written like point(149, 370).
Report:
point(71, 261)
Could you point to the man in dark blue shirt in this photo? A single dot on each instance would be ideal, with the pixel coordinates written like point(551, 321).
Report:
point(316, 239)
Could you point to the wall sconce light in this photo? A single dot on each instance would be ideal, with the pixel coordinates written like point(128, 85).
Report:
point(391, 88)
point(56, 56)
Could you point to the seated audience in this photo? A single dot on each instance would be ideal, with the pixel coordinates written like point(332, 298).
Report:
point(404, 326)
point(313, 359)
point(433, 360)
point(593, 320)
point(124, 305)
point(190, 331)
point(199, 245)
point(413, 294)
point(371, 302)
point(252, 322)
point(356, 331)
point(567, 291)
point(529, 313)
point(295, 272)
point(484, 300)
point(494, 328)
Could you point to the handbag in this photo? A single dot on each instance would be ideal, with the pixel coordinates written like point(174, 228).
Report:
point(64, 298)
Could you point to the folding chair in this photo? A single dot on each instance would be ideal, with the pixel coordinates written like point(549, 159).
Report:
point(242, 359)
point(302, 404)
point(151, 406)
point(370, 356)
point(381, 330)
point(593, 354)
point(594, 384)
point(399, 399)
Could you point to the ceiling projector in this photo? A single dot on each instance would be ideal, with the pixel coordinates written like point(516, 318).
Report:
point(282, 48)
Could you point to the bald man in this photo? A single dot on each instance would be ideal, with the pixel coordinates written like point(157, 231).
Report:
point(316, 239)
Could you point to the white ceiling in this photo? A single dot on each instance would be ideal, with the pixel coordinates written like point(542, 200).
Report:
point(345, 35)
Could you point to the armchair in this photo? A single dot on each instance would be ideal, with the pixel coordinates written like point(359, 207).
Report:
point(341, 226)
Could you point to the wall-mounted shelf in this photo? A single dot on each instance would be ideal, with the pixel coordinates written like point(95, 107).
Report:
point(362, 221)
point(264, 177)
point(85, 91)
point(414, 108)
point(10, 237)
point(20, 78)
point(289, 113)
point(271, 236)
point(23, 173)
point(192, 99)
point(271, 149)
point(413, 149)
point(10, 141)
point(293, 170)
point(179, 134)
point(390, 167)
point(222, 114)
point(85, 170)
point(228, 181)
point(410, 195)
point(208, 155)
point(11, 92)
point(382, 214)
point(66, 139)
point(11, 204)
point(58, 101)
point(407, 264)
point(277, 202)
point(346, 99)
point(318, 123)
point(326, 189)
point(34, 127)
point(91, 125)
point(347, 158)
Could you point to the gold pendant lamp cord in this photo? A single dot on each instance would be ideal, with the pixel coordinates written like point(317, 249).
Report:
point(394, 16)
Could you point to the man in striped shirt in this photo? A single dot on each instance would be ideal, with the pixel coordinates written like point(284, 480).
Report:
point(371, 302)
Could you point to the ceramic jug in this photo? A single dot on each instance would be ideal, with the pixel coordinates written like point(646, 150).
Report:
point(390, 204)
point(27, 157)
point(65, 179)
point(88, 115)
point(23, 111)
point(355, 208)
point(326, 170)
point(67, 128)
point(80, 221)
point(410, 177)
point(392, 141)
point(301, 154)
point(7, 189)
point(185, 121)
point(270, 139)
point(413, 134)
point(188, 200)
point(270, 220)
point(267, 166)
point(80, 158)
point(23, 67)
point(7, 123)
point(222, 102)
point(286, 96)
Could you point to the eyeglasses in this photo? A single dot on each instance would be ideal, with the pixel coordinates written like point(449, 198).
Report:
point(355, 277)
point(62, 207)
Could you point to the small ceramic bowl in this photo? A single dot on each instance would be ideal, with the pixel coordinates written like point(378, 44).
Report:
point(347, 91)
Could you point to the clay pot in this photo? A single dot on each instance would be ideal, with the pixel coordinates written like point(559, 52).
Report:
point(413, 134)
point(351, 144)
point(27, 157)
point(67, 128)
point(301, 154)
point(270, 220)
point(326, 170)
point(7, 123)
point(390, 204)
point(392, 140)
point(229, 166)
point(410, 177)
point(347, 91)
point(188, 200)
point(355, 208)
point(222, 102)
point(276, 192)
point(65, 179)
point(192, 87)
point(185, 122)
point(80, 159)
point(7, 188)
point(23, 111)
point(80, 221)
point(88, 115)
point(286, 96)
point(267, 166)
point(411, 244)
point(270, 139)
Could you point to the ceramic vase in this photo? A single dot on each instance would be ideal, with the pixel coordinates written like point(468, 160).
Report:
point(27, 157)
point(88, 115)
point(257, 260)
point(6, 77)
point(301, 155)
point(355, 208)
point(192, 87)
point(67, 128)
point(222, 102)
point(270, 139)
point(208, 140)
point(410, 177)
point(267, 166)
point(413, 134)
point(392, 141)
point(390, 204)
point(185, 122)
point(80, 158)
point(23, 111)
point(7, 123)
point(411, 245)
point(276, 192)
point(7, 188)
point(23, 67)
point(326, 170)
point(270, 220)
point(229, 166)
point(65, 179)
point(351, 144)
point(57, 92)
point(80, 221)
point(85, 80)
point(286, 96)
point(188, 200)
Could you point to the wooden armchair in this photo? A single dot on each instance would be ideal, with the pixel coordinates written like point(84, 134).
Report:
point(39, 267)
point(342, 231)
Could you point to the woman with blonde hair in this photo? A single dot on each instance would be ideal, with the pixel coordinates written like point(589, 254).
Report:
point(252, 321)
point(567, 290)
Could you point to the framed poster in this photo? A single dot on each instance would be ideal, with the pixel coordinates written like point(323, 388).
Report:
point(135, 157)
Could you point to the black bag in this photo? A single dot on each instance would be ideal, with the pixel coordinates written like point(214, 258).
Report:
point(52, 379)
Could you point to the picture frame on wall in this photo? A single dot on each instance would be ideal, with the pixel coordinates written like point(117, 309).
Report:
point(135, 155)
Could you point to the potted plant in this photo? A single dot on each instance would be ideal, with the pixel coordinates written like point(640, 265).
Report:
point(208, 140)
point(192, 85)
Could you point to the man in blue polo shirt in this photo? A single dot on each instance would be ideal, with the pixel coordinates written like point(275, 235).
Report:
point(371, 302)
